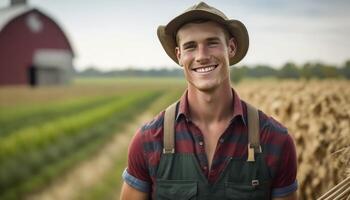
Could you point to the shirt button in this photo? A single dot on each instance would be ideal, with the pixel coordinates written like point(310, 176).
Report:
point(201, 143)
point(205, 167)
point(221, 140)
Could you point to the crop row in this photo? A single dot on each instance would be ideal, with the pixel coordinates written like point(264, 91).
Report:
point(46, 150)
point(110, 185)
point(14, 119)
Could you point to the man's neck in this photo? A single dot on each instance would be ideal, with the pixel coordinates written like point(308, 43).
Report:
point(211, 106)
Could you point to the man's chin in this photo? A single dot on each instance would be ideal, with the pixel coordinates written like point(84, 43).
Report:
point(206, 87)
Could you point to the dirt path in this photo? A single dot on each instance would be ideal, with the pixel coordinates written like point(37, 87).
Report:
point(92, 170)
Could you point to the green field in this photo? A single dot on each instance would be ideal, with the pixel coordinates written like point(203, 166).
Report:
point(46, 131)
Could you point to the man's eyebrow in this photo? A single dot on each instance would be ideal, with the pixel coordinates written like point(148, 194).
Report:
point(188, 43)
point(213, 39)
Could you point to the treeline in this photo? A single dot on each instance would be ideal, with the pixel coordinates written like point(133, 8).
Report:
point(287, 71)
point(292, 71)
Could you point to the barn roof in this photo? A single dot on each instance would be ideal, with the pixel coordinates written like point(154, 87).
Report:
point(9, 13)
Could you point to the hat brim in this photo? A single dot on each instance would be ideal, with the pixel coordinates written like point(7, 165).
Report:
point(167, 34)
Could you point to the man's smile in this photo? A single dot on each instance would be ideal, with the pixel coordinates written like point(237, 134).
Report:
point(205, 69)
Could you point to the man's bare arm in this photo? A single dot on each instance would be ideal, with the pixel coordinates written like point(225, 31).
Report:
point(130, 193)
point(292, 196)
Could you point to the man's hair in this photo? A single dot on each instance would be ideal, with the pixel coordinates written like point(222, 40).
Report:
point(228, 36)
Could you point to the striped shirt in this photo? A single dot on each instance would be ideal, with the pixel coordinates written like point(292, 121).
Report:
point(146, 148)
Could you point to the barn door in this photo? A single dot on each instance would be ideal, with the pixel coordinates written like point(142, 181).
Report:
point(32, 75)
point(53, 66)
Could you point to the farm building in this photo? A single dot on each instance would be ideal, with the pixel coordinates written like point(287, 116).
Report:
point(34, 50)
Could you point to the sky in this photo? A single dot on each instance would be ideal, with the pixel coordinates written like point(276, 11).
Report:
point(118, 34)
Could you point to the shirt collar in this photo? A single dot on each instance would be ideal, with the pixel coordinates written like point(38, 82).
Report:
point(183, 109)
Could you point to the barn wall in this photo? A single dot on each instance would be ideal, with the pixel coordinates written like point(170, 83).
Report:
point(18, 44)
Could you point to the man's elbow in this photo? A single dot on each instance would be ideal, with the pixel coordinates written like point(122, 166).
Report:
point(130, 193)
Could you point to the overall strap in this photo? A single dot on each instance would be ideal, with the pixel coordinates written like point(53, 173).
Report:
point(253, 133)
point(169, 128)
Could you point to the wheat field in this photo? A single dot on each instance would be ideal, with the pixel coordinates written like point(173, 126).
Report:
point(317, 115)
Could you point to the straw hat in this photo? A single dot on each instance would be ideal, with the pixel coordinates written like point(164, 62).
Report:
point(167, 34)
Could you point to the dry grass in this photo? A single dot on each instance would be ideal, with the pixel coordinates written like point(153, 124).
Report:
point(25, 95)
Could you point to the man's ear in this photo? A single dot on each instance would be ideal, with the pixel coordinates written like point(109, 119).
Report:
point(178, 55)
point(232, 47)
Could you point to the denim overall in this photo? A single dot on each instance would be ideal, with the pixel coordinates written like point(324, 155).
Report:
point(180, 177)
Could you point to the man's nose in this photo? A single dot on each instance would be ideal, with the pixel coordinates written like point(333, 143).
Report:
point(202, 54)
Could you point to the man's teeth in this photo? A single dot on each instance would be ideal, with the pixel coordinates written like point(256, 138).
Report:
point(205, 69)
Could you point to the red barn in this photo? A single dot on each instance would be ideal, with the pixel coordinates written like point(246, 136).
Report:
point(34, 50)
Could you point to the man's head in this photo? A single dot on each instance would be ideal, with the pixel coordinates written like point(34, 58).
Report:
point(201, 13)
point(204, 51)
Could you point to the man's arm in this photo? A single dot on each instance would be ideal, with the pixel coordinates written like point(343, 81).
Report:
point(285, 185)
point(137, 181)
point(292, 196)
point(130, 193)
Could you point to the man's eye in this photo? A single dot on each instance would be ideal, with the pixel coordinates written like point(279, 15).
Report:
point(189, 47)
point(213, 43)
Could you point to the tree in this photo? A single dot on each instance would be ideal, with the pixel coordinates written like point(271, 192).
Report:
point(90, 71)
point(263, 71)
point(289, 70)
point(345, 70)
point(238, 73)
point(306, 71)
point(329, 71)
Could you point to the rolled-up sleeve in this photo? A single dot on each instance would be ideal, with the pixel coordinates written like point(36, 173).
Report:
point(136, 174)
point(284, 191)
point(285, 181)
point(136, 183)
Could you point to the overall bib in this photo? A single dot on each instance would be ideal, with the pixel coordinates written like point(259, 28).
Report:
point(180, 177)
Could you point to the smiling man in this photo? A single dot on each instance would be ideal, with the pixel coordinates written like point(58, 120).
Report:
point(210, 144)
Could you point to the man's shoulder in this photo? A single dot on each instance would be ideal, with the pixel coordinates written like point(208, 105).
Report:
point(272, 132)
point(267, 123)
point(271, 125)
point(274, 135)
point(149, 136)
point(154, 127)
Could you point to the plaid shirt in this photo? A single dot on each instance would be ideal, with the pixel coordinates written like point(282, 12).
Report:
point(147, 145)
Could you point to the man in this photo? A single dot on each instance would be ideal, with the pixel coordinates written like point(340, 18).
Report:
point(211, 144)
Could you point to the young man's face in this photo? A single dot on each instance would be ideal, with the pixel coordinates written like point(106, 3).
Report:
point(203, 52)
